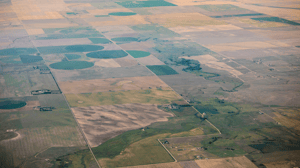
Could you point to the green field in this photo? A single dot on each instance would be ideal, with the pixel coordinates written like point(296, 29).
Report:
point(138, 54)
point(71, 65)
point(11, 104)
point(107, 54)
point(30, 58)
point(143, 4)
point(151, 96)
point(122, 13)
point(124, 39)
point(100, 40)
point(162, 70)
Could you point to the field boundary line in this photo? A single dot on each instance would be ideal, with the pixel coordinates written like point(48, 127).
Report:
point(80, 129)
point(208, 121)
point(158, 78)
point(175, 160)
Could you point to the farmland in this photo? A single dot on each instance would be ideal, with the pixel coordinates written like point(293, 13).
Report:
point(149, 96)
point(149, 83)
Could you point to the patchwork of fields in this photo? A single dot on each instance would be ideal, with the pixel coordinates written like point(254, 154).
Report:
point(149, 83)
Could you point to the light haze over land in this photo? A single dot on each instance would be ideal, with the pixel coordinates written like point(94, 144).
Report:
point(149, 83)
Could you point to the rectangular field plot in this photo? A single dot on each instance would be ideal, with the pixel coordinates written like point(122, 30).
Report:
point(232, 162)
point(101, 123)
point(111, 84)
point(18, 84)
point(143, 4)
point(150, 96)
point(219, 8)
point(162, 70)
point(146, 151)
point(183, 19)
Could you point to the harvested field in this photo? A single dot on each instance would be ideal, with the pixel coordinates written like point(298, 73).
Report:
point(212, 62)
point(288, 117)
point(107, 63)
point(35, 31)
point(232, 162)
point(150, 96)
point(161, 165)
point(101, 123)
point(126, 61)
point(113, 84)
point(150, 60)
point(183, 19)
point(121, 20)
point(245, 45)
point(186, 29)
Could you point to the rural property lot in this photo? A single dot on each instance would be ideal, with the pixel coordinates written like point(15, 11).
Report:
point(101, 123)
point(149, 83)
point(111, 84)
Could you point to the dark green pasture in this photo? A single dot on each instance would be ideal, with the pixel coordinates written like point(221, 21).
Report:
point(122, 13)
point(30, 58)
point(162, 70)
point(12, 104)
point(100, 40)
point(71, 65)
point(143, 4)
point(138, 54)
point(107, 54)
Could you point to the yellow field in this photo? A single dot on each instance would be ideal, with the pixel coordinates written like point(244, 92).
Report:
point(262, 24)
point(212, 62)
point(232, 162)
point(245, 45)
point(193, 132)
point(183, 19)
point(288, 117)
point(151, 96)
point(111, 84)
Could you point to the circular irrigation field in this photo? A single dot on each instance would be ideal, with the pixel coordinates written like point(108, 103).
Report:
point(12, 104)
point(71, 65)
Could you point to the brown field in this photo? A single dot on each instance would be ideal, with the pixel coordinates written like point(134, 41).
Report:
point(288, 117)
point(126, 61)
point(113, 84)
point(121, 20)
point(101, 123)
point(30, 141)
point(29, 106)
point(183, 19)
point(232, 162)
point(107, 11)
point(188, 146)
point(35, 31)
point(262, 24)
point(161, 165)
point(281, 164)
point(193, 2)
point(107, 63)
point(150, 60)
point(204, 28)
point(245, 45)
point(212, 62)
